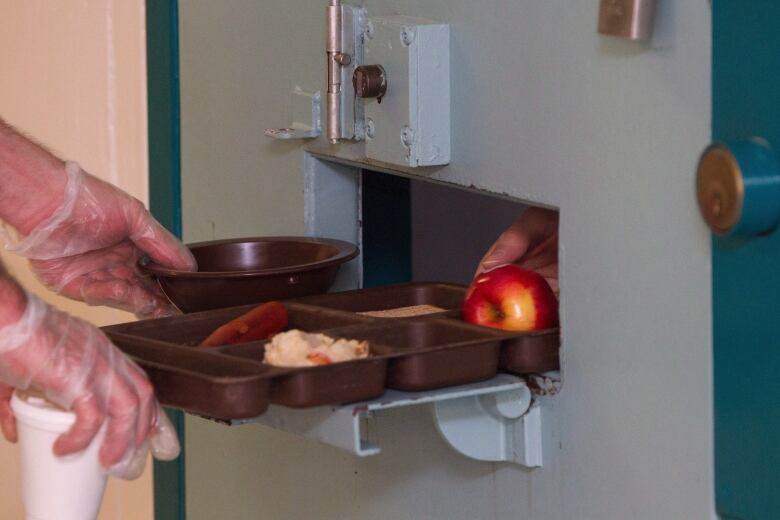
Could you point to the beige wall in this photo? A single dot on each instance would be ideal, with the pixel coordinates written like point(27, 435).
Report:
point(73, 75)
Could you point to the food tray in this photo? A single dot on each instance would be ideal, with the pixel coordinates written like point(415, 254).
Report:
point(417, 353)
point(190, 329)
point(448, 297)
point(521, 353)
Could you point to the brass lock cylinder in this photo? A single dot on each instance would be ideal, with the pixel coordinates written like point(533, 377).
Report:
point(738, 188)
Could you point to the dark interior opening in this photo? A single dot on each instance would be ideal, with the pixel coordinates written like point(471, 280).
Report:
point(414, 230)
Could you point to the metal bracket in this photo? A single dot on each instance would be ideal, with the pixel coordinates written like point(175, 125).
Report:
point(497, 427)
point(492, 420)
point(306, 117)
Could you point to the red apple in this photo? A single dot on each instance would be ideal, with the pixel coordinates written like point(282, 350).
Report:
point(511, 298)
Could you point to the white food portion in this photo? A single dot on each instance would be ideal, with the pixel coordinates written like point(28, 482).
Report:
point(292, 348)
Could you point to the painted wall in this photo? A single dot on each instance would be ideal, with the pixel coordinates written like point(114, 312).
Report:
point(544, 110)
point(74, 76)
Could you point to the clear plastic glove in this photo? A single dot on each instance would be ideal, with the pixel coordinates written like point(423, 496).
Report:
point(75, 366)
point(89, 248)
point(530, 242)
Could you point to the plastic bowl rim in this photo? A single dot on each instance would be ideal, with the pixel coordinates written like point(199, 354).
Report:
point(345, 251)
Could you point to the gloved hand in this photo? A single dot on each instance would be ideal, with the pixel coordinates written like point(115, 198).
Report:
point(75, 366)
point(89, 247)
point(530, 242)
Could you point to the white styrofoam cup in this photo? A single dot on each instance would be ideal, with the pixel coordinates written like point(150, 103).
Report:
point(55, 488)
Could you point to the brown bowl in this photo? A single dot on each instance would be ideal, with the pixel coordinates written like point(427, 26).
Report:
point(252, 270)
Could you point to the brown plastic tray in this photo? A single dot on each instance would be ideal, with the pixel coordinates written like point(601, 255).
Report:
point(432, 353)
point(316, 386)
point(521, 352)
point(448, 297)
point(530, 352)
point(418, 353)
point(191, 329)
point(200, 381)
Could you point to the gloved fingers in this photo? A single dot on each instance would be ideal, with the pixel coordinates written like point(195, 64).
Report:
point(7, 419)
point(106, 277)
point(131, 466)
point(122, 272)
point(160, 244)
point(95, 215)
point(147, 406)
point(89, 418)
point(137, 298)
point(153, 429)
point(121, 418)
point(58, 274)
point(164, 441)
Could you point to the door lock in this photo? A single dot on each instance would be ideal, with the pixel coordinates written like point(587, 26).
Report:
point(370, 81)
point(738, 188)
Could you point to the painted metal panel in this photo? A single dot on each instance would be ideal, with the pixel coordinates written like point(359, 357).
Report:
point(544, 110)
point(746, 273)
point(411, 124)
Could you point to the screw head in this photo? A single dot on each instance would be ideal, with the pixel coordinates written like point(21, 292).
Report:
point(407, 35)
point(343, 59)
point(407, 136)
point(370, 128)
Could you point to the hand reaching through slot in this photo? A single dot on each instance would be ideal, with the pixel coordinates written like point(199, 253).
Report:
point(530, 242)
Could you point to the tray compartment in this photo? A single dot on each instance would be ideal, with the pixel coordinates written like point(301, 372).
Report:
point(448, 297)
point(432, 353)
point(532, 352)
point(316, 386)
point(201, 382)
point(191, 329)
point(524, 352)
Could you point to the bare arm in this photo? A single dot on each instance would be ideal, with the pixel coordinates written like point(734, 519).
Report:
point(32, 180)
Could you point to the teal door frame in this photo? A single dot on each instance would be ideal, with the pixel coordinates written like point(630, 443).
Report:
point(162, 61)
point(746, 272)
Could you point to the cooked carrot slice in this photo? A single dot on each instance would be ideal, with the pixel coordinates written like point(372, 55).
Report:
point(318, 358)
point(262, 322)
